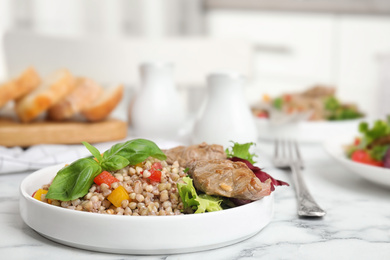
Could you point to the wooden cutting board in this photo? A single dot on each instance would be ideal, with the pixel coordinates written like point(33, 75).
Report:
point(13, 133)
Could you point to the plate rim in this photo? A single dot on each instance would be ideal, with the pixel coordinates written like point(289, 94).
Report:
point(311, 132)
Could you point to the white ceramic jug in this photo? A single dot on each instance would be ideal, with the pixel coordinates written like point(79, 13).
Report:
point(225, 116)
point(158, 110)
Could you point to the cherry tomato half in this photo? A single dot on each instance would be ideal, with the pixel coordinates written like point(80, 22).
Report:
point(363, 156)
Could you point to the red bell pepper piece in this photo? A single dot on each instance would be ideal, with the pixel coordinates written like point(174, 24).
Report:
point(155, 171)
point(105, 177)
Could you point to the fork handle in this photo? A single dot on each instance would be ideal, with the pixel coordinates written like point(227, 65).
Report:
point(307, 207)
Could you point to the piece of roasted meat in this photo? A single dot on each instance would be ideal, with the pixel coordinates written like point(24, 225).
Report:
point(226, 178)
point(198, 152)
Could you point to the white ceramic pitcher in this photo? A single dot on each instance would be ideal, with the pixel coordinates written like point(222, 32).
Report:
point(226, 115)
point(158, 110)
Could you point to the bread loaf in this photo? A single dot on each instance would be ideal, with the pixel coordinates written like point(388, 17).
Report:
point(86, 91)
point(53, 89)
point(19, 86)
point(104, 105)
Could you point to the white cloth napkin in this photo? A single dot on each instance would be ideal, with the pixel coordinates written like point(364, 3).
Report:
point(39, 156)
point(36, 157)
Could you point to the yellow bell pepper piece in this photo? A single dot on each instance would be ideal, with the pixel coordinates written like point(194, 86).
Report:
point(118, 195)
point(39, 193)
point(266, 98)
point(139, 165)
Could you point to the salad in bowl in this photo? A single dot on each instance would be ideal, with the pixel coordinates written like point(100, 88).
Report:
point(372, 147)
point(318, 103)
point(309, 116)
point(137, 178)
point(138, 199)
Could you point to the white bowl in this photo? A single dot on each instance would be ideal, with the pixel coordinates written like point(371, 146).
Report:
point(139, 234)
point(306, 131)
point(374, 174)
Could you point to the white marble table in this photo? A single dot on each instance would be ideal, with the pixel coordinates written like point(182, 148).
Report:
point(357, 224)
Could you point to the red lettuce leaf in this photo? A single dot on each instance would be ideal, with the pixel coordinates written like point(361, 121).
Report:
point(240, 202)
point(386, 159)
point(263, 176)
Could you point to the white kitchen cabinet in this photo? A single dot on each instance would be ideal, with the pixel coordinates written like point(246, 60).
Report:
point(362, 40)
point(292, 49)
point(297, 50)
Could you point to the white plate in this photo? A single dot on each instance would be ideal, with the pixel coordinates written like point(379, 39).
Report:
point(140, 234)
point(373, 174)
point(306, 131)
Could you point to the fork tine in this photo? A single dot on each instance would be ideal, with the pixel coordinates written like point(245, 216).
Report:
point(290, 151)
point(286, 152)
point(276, 148)
point(298, 153)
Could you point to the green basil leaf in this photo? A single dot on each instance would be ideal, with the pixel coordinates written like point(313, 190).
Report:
point(115, 163)
point(135, 151)
point(74, 180)
point(94, 151)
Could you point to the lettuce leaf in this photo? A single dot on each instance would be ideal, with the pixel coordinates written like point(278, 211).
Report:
point(379, 129)
point(278, 103)
point(201, 203)
point(208, 203)
point(378, 152)
point(241, 151)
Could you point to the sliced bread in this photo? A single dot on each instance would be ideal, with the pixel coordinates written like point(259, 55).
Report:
point(15, 88)
point(84, 94)
point(52, 90)
point(104, 105)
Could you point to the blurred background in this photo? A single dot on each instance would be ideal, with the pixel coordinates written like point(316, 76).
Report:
point(281, 45)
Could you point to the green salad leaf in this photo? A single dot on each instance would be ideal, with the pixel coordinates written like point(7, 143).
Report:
point(241, 151)
point(208, 203)
point(338, 111)
point(379, 129)
point(277, 103)
point(199, 203)
point(188, 193)
point(378, 152)
point(331, 103)
point(74, 180)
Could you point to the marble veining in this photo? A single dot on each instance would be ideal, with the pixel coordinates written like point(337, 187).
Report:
point(357, 224)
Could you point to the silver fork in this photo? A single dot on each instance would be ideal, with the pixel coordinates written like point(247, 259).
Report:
point(287, 155)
